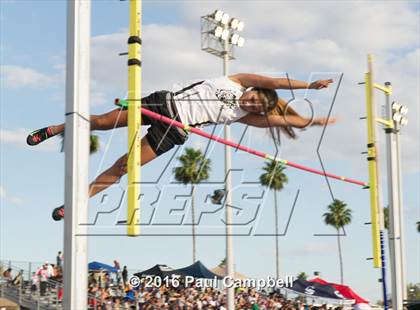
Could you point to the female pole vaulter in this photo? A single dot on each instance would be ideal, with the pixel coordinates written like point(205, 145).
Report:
point(245, 98)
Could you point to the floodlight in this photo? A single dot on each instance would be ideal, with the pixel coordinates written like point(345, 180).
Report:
point(396, 106)
point(234, 23)
point(241, 41)
point(218, 31)
point(397, 117)
point(220, 34)
point(225, 19)
point(404, 121)
point(399, 108)
point(234, 39)
point(403, 110)
point(225, 34)
point(218, 15)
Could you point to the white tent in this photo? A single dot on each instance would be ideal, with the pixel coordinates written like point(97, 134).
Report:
point(221, 271)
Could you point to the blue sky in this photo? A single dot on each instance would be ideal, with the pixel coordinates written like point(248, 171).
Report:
point(308, 40)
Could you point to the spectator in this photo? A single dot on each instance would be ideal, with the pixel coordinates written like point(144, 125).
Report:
point(92, 295)
point(18, 280)
point(118, 267)
point(117, 303)
point(125, 275)
point(50, 270)
point(43, 279)
point(60, 293)
point(107, 280)
point(59, 260)
point(7, 274)
point(34, 282)
point(121, 296)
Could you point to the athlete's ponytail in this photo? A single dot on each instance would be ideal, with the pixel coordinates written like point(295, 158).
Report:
point(268, 98)
point(273, 105)
point(282, 109)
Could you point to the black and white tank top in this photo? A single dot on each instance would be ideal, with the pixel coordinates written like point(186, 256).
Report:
point(212, 101)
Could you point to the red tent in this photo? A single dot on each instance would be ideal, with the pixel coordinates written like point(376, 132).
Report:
point(344, 290)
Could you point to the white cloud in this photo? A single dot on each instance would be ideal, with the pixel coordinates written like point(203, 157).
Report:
point(12, 199)
point(17, 77)
point(306, 37)
point(355, 25)
point(18, 136)
point(98, 98)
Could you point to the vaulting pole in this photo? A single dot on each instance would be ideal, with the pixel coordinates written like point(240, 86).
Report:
point(134, 120)
point(199, 132)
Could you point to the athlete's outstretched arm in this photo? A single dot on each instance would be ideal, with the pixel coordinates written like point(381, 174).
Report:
point(255, 80)
point(265, 121)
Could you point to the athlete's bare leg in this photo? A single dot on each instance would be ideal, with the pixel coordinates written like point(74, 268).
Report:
point(113, 119)
point(119, 168)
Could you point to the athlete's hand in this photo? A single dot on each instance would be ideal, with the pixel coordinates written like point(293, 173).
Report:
point(320, 84)
point(321, 121)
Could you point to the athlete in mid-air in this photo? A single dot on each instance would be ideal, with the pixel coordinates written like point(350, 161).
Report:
point(245, 98)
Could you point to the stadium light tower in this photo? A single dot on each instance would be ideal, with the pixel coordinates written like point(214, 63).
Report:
point(219, 36)
point(396, 118)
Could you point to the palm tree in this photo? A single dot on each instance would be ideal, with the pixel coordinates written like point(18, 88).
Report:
point(194, 169)
point(93, 147)
point(302, 276)
point(222, 263)
point(94, 144)
point(413, 291)
point(386, 218)
point(338, 217)
point(274, 179)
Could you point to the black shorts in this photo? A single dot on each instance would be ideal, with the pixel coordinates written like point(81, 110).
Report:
point(161, 136)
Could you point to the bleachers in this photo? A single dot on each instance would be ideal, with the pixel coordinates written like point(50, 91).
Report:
point(23, 295)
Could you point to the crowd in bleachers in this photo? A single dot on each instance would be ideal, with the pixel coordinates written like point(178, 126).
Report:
point(193, 298)
point(111, 290)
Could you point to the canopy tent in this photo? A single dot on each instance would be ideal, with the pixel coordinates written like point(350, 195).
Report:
point(8, 304)
point(196, 270)
point(362, 306)
point(97, 266)
point(221, 272)
point(157, 271)
point(344, 290)
point(315, 289)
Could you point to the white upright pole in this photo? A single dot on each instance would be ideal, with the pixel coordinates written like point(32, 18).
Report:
point(394, 229)
point(401, 218)
point(76, 154)
point(228, 202)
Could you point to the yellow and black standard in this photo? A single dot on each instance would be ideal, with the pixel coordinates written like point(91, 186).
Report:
point(134, 120)
point(374, 177)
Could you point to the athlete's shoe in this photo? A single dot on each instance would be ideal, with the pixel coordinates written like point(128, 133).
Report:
point(37, 136)
point(58, 213)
